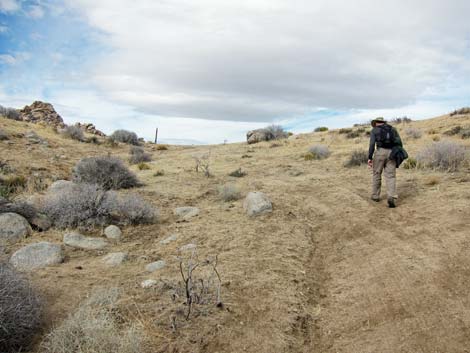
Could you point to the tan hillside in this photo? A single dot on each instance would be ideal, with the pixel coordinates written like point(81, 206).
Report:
point(327, 271)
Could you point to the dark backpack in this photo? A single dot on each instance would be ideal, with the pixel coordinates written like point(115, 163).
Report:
point(386, 136)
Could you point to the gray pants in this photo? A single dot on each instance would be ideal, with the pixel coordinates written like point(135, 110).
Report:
point(381, 163)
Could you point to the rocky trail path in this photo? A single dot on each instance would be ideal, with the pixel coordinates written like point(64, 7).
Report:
point(388, 280)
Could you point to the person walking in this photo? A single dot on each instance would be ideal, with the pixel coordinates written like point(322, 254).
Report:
point(385, 138)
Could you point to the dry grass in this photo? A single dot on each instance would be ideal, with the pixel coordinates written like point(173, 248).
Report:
point(229, 192)
point(96, 327)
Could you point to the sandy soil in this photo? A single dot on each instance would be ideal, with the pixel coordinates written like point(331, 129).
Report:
point(327, 271)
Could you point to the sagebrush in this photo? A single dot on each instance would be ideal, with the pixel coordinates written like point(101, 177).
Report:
point(357, 158)
point(229, 192)
point(74, 133)
point(20, 311)
point(443, 155)
point(125, 136)
point(10, 113)
point(319, 151)
point(138, 155)
point(87, 206)
point(96, 327)
point(106, 171)
point(413, 133)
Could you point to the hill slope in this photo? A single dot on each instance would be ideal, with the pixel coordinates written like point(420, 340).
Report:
point(327, 271)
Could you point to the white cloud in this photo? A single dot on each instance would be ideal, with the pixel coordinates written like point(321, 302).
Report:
point(36, 12)
point(3, 29)
point(261, 60)
point(8, 59)
point(9, 5)
point(14, 59)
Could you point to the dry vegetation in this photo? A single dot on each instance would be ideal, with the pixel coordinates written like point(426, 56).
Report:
point(326, 271)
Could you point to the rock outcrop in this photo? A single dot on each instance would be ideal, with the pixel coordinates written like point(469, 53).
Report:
point(90, 129)
point(255, 136)
point(43, 113)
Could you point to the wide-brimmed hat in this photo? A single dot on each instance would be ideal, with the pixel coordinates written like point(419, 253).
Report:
point(378, 120)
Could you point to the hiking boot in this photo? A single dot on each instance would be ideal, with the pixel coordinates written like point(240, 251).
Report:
point(391, 202)
point(375, 199)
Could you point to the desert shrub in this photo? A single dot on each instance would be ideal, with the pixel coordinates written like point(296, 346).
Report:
point(461, 111)
point(138, 155)
point(453, 131)
point(402, 120)
point(432, 132)
point(10, 113)
point(357, 158)
point(277, 132)
point(3, 136)
point(106, 171)
point(125, 137)
point(238, 173)
point(162, 147)
point(465, 133)
point(353, 134)
point(95, 327)
point(319, 151)
point(247, 156)
point(109, 142)
point(143, 166)
point(20, 310)
point(229, 193)
point(444, 155)
point(345, 130)
point(410, 163)
point(413, 133)
point(274, 145)
point(320, 129)
point(74, 133)
point(86, 206)
point(159, 173)
point(436, 138)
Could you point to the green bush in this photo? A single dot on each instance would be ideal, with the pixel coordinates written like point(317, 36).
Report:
point(321, 129)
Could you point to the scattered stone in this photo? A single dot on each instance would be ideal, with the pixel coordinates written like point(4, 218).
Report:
point(188, 247)
point(76, 240)
point(113, 232)
point(13, 227)
point(169, 239)
point(90, 129)
point(41, 222)
point(187, 212)
point(115, 259)
point(34, 138)
point(148, 283)
point(154, 266)
point(37, 255)
point(257, 203)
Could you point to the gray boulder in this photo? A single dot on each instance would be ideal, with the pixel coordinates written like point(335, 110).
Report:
point(114, 259)
point(76, 240)
point(255, 136)
point(148, 283)
point(188, 247)
point(37, 255)
point(13, 227)
point(169, 239)
point(186, 213)
point(113, 232)
point(257, 203)
point(154, 266)
point(41, 222)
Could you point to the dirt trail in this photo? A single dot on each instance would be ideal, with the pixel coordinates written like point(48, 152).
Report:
point(392, 280)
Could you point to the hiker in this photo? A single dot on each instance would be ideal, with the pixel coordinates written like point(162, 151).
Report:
point(386, 138)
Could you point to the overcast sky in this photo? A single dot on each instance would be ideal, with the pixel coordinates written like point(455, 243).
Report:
point(208, 70)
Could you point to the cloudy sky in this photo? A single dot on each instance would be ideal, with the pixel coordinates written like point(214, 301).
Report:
point(205, 71)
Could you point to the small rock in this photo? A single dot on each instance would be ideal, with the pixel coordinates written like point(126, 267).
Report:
point(38, 255)
point(187, 212)
point(188, 247)
point(257, 203)
point(169, 239)
point(148, 283)
point(115, 259)
point(113, 232)
point(157, 265)
point(76, 240)
point(13, 227)
point(41, 222)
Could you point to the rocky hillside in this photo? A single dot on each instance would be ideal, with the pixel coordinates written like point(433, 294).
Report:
point(268, 247)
